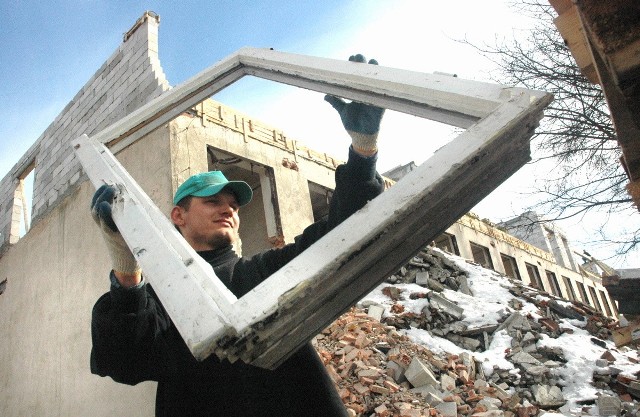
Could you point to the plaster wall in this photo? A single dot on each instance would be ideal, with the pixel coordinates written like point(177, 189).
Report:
point(55, 273)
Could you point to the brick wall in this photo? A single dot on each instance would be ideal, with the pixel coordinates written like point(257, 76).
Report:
point(131, 77)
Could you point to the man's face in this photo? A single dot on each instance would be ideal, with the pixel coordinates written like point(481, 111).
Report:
point(209, 222)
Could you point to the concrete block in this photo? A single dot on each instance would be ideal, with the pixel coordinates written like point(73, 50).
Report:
point(609, 405)
point(431, 394)
point(422, 278)
point(448, 409)
point(419, 374)
point(375, 311)
point(490, 403)
point(447, 383)
point(397, 371)
point(547, 396)
point(490, 413)
point(440, 302)
point(464, 285)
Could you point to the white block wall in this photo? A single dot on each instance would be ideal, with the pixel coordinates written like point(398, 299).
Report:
point(131, 77)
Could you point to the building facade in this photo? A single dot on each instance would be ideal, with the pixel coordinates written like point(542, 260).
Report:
point(528, 249)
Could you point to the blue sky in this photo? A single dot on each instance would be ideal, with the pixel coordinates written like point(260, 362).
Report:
point(48, 51)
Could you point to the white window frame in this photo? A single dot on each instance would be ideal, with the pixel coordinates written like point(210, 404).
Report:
point(273, 320)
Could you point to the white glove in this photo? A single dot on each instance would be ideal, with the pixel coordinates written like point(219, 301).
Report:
point(122, 260)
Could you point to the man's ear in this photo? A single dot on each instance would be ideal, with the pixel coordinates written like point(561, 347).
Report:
point(177, 216)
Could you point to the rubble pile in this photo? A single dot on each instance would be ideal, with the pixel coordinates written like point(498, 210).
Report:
point(380, 372)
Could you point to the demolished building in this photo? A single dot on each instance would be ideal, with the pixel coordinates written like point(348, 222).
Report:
point(529, 249)
point(52, 275)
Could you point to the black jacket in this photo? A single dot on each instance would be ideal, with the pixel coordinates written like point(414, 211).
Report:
point(134, 339)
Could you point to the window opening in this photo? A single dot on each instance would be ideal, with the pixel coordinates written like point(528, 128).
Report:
point(596, 301)
point(320, 199)
point(570, 292)
point(583, 293)
point(534, 276)
point(447, 242)
point(572, 261)
point(481, 255)
point(553, 283)
point(510, 266)
point(257, 219)
point(605, 303)
point(555, 248)
point(22, 203)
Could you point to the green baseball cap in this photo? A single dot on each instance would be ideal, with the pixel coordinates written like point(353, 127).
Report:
point(211, 183)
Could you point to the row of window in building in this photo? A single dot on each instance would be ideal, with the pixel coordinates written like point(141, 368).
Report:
point(482, 255)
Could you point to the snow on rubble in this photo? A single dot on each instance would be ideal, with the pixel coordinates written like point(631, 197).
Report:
point(444, 336)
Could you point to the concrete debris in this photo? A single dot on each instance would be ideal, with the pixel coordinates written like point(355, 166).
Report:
point(548, 397)
point(379, 372)
point(419, 374)
point(608, 405)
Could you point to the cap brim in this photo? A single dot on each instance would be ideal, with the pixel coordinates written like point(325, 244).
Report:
point(241, 189)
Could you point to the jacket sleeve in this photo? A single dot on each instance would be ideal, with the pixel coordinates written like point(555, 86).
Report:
point(357, 182)
point(126, 330)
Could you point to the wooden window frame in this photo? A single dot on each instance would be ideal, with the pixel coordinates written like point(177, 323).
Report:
point(272, 321)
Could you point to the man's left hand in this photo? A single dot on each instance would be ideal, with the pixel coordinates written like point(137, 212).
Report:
point(362, 121)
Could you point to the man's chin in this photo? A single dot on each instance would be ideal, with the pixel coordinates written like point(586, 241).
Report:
point(221, 240)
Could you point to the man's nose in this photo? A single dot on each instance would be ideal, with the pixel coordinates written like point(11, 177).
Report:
point(227, 208)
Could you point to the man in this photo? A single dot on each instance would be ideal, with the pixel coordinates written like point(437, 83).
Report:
point(134, 340)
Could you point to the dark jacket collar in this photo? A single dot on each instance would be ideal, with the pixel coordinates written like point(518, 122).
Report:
point(219, 256)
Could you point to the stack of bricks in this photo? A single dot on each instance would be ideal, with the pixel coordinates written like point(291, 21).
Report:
point(381, 373)
point(355, 350)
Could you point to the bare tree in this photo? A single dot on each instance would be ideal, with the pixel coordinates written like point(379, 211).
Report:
point(576, 133)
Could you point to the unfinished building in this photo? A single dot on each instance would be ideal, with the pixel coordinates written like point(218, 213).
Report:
point(52, 275)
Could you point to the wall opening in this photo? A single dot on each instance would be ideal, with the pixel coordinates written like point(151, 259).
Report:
point(22, 203)
point(447, 242)
point(572, 261)
point(553, 283)
point(481, 255)
point(534, 276)
point(320, 199)
point(605, 304)
point(510, 266)
point(596, 300)
point(583, 293)
point(255, 217)
point(555, 248)
point(570, 292)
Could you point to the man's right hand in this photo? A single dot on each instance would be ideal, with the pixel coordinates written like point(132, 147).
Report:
point(124, 264)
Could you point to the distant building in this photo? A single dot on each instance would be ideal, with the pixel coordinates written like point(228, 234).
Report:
point(529, 249)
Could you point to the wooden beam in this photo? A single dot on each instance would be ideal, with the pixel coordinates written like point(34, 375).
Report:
point(626, 335)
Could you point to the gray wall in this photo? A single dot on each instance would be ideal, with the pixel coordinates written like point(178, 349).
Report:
point(54, 276)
